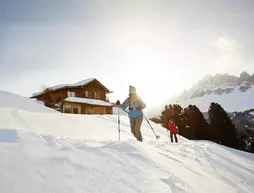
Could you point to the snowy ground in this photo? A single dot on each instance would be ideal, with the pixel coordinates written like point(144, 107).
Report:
point(54, 152)
point(10, 100)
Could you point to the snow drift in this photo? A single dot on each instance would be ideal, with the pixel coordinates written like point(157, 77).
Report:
point(14, 101)
point(55, 152)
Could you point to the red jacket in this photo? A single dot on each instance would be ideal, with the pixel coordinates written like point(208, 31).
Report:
point(172, 128)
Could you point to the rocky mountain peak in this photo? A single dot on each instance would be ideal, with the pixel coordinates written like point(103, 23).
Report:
point(217, 80)
point(220, 84)
point(233, 92)
point(211, 81)
point(252, 78)
point(245, 76)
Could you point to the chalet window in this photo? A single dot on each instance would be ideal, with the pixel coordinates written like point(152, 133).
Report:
point(86, 94)
point(96, 95)
point(75, 110)
point(71, 94)
point(67, 110)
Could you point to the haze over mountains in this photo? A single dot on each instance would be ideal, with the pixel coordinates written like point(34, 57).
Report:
point(231, 92)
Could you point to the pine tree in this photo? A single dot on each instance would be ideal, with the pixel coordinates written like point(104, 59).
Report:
point(251, 148)
point(187, 131)
point(156, 119)
point(177, 116)
point(221, 127)
point(241, 142)
point(165, 116)
point(47, 98)
point(174, 113)
point(184, 129)
point(201, 126)
point(190, 121)
point(196, 125)
point(214, 124)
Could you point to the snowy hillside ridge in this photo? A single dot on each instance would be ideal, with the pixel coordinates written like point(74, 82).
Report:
point(231, 92)
point(46, 152)
point(14, 101)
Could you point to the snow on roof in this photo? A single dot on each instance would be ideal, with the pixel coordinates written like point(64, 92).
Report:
point(88, 101)
point(83, 82)
point(58, 86)
point(80, 83)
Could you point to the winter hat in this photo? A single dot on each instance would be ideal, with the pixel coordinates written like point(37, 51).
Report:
point(132, 89)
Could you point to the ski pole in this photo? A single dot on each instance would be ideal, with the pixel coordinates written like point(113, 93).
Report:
point(157, 136)
point(118, 124)
point(168, 135)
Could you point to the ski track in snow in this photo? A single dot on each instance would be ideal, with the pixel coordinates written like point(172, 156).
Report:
point(52, 152)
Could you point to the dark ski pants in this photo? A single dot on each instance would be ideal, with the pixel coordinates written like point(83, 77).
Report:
point(171, 137)
point(136, 126)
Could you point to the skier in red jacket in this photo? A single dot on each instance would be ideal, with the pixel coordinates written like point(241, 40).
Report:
point(173, 130)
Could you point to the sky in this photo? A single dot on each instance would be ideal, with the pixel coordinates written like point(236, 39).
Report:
point(160, 47)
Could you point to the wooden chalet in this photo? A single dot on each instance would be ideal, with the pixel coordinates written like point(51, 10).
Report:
point(85, 97)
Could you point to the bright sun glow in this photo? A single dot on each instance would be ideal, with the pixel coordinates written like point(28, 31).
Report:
point(153, 84)
point(154, 67)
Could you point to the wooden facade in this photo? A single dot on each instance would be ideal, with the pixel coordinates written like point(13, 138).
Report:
point(78, 108)
point(91, 90)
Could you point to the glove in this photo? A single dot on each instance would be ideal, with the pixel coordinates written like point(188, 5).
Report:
point(117, 102)
point(139, 108)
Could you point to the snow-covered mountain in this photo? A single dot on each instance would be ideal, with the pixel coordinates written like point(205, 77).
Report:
point(54, 152)
point(233, 93)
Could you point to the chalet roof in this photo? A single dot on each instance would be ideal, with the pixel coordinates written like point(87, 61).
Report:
point(83, 82)
point(88, 101)
point(77, 84)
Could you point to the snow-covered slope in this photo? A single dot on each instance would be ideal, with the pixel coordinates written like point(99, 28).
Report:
point(10, 100)
point(233, 93)
point(54, 152)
